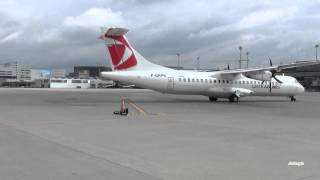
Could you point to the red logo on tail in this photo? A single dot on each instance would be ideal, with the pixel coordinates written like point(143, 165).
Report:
point(121, 53)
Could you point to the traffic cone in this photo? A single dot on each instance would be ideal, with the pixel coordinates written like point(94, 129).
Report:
point(123, 106)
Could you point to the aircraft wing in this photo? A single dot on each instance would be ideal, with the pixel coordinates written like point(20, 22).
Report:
point(271, 68)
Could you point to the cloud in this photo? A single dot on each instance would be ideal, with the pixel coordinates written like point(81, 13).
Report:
point(95, 17)
point(265, 17)
point(55, 35)
point(10, 37)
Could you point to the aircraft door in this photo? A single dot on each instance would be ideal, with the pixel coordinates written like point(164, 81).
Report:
point(170, 85)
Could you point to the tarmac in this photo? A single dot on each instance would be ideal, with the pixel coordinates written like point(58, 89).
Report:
point(73, 134)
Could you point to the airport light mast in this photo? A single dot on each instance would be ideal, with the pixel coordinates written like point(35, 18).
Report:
point(178, 54)
point(247, 59)
point(198, 59)
point(240, 49)
point(316, 46)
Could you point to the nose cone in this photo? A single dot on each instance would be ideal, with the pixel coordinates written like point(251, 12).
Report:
point(300, 89)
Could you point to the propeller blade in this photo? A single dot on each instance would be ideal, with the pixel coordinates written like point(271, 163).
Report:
point(274, 76)
point(270, 62)
point(277, 80)
point(270, 85)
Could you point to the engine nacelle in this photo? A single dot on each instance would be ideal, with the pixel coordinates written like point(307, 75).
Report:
point(262, 76)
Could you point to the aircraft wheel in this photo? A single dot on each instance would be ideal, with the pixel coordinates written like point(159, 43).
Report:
point(213, 99)
point(233, 98)
point(293, 99)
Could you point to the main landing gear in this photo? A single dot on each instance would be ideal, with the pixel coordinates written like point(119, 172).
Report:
point(233, 98)
point(213, 99)
point(293, 99)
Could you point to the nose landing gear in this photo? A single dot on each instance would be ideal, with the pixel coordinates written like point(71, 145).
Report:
point(293, 99)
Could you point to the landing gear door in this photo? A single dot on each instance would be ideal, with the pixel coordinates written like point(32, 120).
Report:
point(170, 85)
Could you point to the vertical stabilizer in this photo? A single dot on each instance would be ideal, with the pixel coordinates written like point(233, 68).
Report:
point(122, 55)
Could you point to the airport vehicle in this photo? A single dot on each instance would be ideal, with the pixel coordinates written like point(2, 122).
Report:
point(130, 67)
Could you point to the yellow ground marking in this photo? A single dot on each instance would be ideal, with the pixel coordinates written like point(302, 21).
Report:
point(140, 110)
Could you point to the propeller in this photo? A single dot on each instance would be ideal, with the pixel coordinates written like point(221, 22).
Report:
point(273, 75)
point(270, 62)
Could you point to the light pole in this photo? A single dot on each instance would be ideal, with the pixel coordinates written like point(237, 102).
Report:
point(316, 46)
point(240, 49)
point(198, 58)
point(247, 59)
point(178, 54)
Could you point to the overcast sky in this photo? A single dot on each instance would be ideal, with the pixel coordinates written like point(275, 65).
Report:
point(63, 33)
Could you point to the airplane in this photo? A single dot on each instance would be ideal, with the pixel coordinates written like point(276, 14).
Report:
point(130, 67)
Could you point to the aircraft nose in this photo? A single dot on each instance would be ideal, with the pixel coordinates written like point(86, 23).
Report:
point(300, 89)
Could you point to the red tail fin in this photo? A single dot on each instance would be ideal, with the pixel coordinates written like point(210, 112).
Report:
point(122, 55)
point(120, 51)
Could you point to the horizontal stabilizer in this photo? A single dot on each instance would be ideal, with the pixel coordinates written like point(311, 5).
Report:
point(108, 32)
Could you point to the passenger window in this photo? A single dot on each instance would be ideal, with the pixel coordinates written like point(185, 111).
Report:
point(227, 81)
point(219, 81)
point(179, 79)
point(210, 80)
point(214, 81)
point(192, 80)
point(201, 80)
point(206, 81)
point(197, 80)
point(184, 79)
point(222, 81)
point(239, 82)
point(188, 79)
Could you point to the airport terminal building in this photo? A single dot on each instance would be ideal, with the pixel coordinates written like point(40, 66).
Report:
point(89, 71)
point(308, 76)
point(70, 83)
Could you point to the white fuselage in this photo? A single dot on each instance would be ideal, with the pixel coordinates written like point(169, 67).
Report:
point(205, 83)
